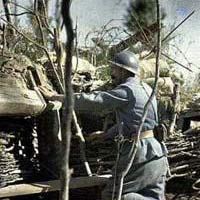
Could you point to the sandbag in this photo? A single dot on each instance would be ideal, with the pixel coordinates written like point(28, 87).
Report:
point(147, 68)
point(165, 85)
point(18, 96)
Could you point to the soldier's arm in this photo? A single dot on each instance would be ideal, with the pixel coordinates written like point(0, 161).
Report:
point(95, 101)
point(101, 101)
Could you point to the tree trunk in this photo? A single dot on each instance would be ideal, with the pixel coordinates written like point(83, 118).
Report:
point(68, 102)
point(9, 31)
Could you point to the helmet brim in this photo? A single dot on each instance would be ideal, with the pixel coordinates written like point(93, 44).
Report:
point(123, 67)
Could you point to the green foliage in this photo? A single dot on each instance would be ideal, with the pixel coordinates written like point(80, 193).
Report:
point(142, 13)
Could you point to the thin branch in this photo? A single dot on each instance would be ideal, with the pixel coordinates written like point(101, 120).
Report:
point(79, 134)
point(182, 53)
point(59, 52)
point(29, 11)
point(35, 2)
point(140, 27)
point(7, 10)
point(45, 16)
point(37, 18)
point(133, 150)
point(34, 13)
point(68, 102)
point(4, 39)
point(40, 28)
point(20, 6)
point(44, 49)
point(172, 31)
point(76, 49)
point(57, 14)
point(168, 57)
point(17, 14)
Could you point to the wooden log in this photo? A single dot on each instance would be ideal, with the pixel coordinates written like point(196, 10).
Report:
point(50, 186)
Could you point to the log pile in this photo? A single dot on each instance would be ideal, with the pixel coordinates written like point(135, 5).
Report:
point(9, 171)
point(184, 154)
point(101, 157)
point(18, 154)
point(184, 160)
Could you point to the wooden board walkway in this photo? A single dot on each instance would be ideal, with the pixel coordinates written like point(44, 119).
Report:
point(49, 186)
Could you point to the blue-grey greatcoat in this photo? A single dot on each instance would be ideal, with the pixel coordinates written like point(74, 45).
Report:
point(146, 178)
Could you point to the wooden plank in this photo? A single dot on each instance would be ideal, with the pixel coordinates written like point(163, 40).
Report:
point(49, 186)
point(191, 114)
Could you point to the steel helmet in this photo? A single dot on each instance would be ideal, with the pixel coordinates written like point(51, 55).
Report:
point(125, 60)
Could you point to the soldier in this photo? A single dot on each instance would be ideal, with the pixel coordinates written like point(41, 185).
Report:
point(146, 177)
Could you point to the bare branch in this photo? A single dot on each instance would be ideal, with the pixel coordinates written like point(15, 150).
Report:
point(59, 51)
point(7, 10)
point(45, 16)
point(168, 57)
point(140, 27)
point(182, 53)
point(41, 47)
point(37, 18)
point(4, 39)
point(82, 144)
point(167, 36)
point(34, 13)
point(173, 30)
point(17, 14)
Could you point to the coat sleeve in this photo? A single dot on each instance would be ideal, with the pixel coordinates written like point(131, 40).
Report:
point(100, 101)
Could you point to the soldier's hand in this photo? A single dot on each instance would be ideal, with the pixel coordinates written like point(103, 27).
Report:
point(97, 135)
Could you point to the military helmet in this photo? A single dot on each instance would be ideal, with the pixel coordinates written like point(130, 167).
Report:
point(125, 60)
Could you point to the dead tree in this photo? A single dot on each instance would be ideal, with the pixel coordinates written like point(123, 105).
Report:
point(68, 103)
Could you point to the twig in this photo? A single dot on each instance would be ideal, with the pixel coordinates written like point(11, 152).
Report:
point(182, 53)
point(168, 57)
point(82, 144)
point(76, 50)
point(7, 10)
point(174, 29)
point(59, 52)
point(35, 5)
point(45, 12)
point(37, 18)
point(29, 11)
point(34, 13)
point(57, 14)
point(17, 14)
point(4, 39)
point(133, 150)
point(140, 27)
point(44, 49)
point(68, 102)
